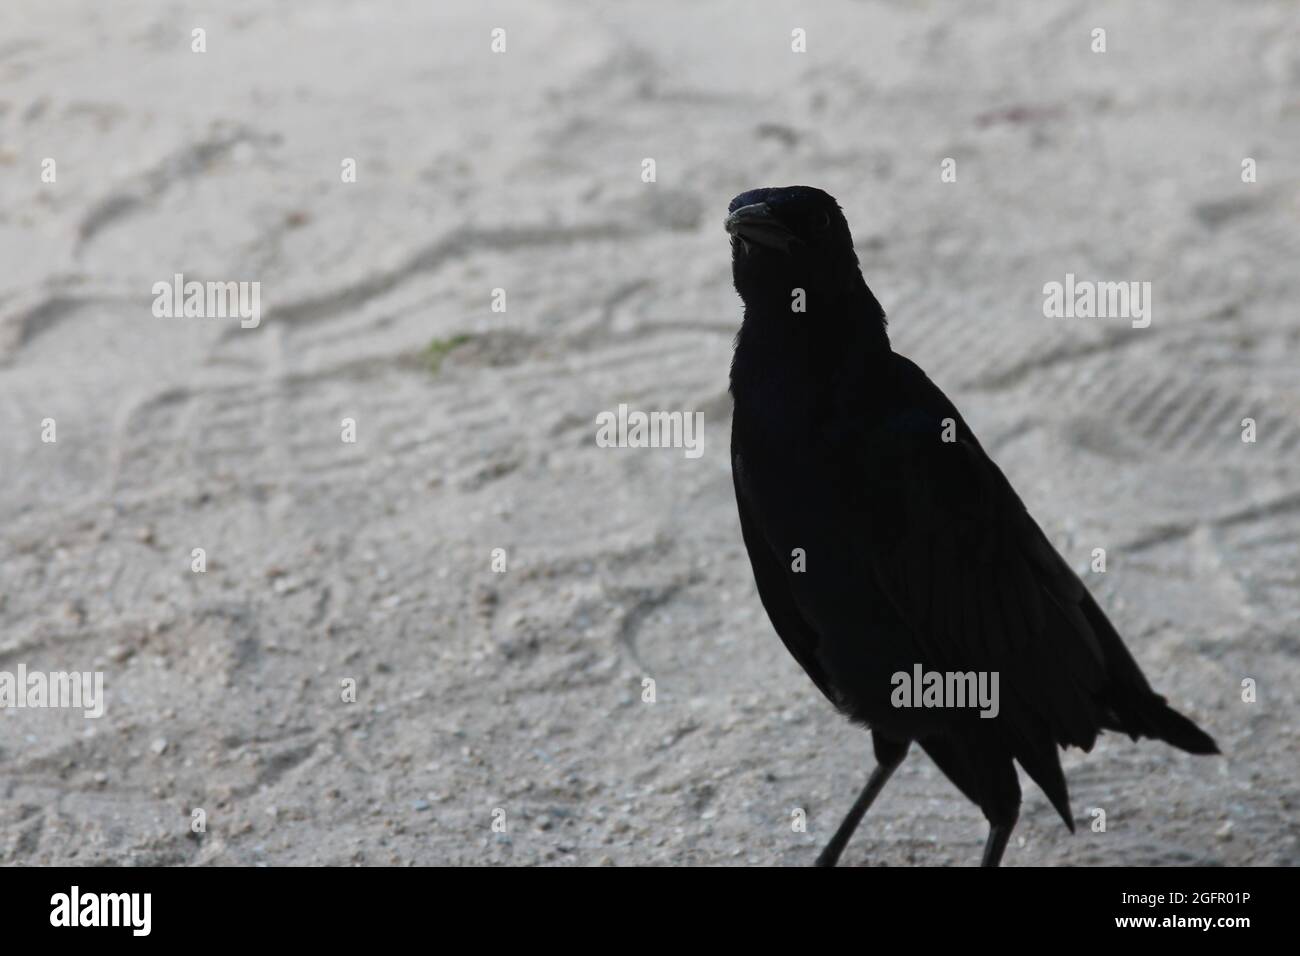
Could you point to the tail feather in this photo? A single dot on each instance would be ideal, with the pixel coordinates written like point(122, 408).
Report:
point(1140, 711)
point(1042, 761)
point(1172, 727)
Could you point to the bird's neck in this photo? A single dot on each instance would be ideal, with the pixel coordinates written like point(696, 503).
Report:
point(777, 345)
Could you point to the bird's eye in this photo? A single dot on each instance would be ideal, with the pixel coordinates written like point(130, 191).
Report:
point(825, 223)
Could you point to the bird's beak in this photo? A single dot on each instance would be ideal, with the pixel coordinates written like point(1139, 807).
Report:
point(755, 223)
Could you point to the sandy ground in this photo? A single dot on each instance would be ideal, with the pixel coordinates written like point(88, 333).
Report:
point(522, 691)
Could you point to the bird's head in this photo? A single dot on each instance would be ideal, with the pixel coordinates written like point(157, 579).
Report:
point(787, 237)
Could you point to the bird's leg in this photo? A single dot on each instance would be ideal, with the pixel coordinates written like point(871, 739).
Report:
point(999, 834)
point(875, 783)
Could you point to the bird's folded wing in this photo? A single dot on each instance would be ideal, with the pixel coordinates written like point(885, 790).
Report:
point(970, 572)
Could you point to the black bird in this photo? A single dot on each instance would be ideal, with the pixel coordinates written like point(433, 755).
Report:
point(882, 536)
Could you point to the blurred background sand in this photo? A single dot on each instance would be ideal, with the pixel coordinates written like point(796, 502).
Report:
point(475, 430)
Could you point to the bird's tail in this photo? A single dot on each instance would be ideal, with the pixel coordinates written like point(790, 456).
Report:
point(1138, 710)
point(1153, 717)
